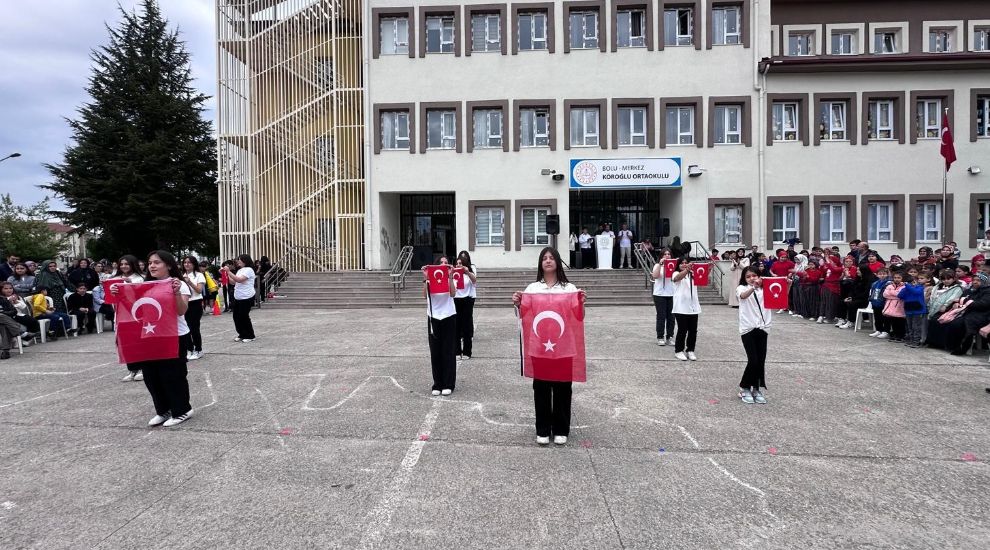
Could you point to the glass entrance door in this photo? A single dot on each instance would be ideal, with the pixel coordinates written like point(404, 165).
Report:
point(638, 208)
point(428, 225)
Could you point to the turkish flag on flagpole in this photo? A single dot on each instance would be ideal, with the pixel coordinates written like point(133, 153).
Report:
point(948, 145)
point(775, 292)
point(147, 323)
point(439, 277)
point(702, 273)
point(553, 337)
point(108, 297)
point(459, 277)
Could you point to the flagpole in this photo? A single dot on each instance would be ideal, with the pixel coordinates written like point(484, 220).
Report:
point(945, 187)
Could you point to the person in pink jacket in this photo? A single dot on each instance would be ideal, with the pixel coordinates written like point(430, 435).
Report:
point(893, 309)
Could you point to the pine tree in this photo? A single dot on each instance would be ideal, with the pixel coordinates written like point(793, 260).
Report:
point(142, 165)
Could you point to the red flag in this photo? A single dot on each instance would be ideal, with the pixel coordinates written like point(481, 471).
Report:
point(147, 323)
point(439, 277)
point(948, 146)
point(701, 273)
point(775, 292)
point(553, 337)
point(459, 277)
point(670, 267)
point(108, 297)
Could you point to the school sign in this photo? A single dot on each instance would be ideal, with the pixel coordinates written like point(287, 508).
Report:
point(625, 173)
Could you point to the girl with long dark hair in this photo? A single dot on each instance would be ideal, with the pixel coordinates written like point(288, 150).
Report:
point(464, 306)
point(197, 284)
point(663, 300)
point(442, 333)
point(552, 399)
point(243, 280)
point(127, 267)
point(754, 322)
point(686, 310)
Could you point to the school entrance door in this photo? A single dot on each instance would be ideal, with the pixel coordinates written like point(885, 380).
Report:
point(428, 225)
point(638, 208)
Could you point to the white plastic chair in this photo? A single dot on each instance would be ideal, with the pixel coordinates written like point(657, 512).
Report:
point(43, 327)
point(860, 314)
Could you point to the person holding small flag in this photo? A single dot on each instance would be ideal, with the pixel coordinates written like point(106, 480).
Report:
point(754, 322)
point(439, 290)
point(552, 376)
point(243, 280)
point(663, 297)
point(127, 267)
point(686, 308)
point(465, 280)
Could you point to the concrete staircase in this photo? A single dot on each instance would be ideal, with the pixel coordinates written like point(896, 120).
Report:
point(372, 289)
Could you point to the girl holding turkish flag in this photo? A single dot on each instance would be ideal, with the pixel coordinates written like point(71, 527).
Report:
point(754, 322)
point(464, 305)
point(552, 399)
point(126, 265)
point(686, 311)
point(442, 319)
point(663, 300)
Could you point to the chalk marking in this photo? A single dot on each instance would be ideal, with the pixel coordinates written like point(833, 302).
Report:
point(8, 505)
point(64, 373)
point(213, 394)
point(729, 475)
point(278, 435)
point(56, 392)
point(380, 517)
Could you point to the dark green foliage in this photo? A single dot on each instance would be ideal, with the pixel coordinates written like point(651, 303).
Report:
point(24, 231)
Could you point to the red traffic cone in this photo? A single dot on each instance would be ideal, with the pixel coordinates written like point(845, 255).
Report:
point(216, 307)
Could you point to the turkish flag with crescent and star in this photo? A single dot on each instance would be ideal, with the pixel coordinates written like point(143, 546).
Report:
point(459, 277)
point(108, 297)
point(775, 292)
point(439, 278)
point(948, 146)
point(553, 337)
point(669, 268)
point(701, 273)
point(147, 324)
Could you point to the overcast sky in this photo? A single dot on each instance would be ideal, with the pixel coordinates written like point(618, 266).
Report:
point(44, 67)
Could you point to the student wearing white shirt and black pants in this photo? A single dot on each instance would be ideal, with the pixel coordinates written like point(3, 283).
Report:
point(686, 311)
point(442, 325)
point(243, 297)
point(625, 247)
point(663, 301)
point(197, 283)
point(464, 305)
point(586, 242)
point(754, 322)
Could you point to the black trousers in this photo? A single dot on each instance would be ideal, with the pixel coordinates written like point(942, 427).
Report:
point(587, 258)
point(29, 323)
point(553, 407)
point(755, 344)
point(880, 322)
point(443, 352)
point(242, 318)
point(86, 319)
point(465, 325)
point(665, 316)
point(166, 382)
point(228, 297)
point(194, 314)
point(898, 326)
point(687, 332)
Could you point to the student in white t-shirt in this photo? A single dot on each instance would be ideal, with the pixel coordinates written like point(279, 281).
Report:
point(464, 304)
point(243, 280)
point(197, 283)
point(625, 247)
point(552, 399)
point(754, 324)
point(686, 311)
point(127, 267)
point(663, 301)
point(442, 334)
point(586, 242)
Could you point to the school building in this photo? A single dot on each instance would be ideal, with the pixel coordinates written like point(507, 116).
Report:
point(350, 129)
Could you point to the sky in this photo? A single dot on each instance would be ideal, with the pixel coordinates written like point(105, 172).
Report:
point(44, 68)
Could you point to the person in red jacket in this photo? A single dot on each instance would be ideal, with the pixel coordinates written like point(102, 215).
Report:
point(831, 291)
point(810, 290)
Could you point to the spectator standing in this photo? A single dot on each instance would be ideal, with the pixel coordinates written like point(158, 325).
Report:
point(983, 246)
point(893, 308)
point(244, 293)
point(946, 260)
point(915, 310)
point(625, 247)
point(227, 285)
point(194, 310)
point(738, 264)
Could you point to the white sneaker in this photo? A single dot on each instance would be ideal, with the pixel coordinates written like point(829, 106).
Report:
point(560, 439)
point(670, 341)
point(820, 320)
point(840, 322)
point(237, 338)
point(199, 354)
point(158, 420)
point(128, 378)
point(193, 355)
point(692, 356)
point(247, 340)
point(542, 440)
point(874, 334)
point(661, 342)
point(759, 398)
point(847, 325)
point(139, 376)
point(460, 357)
point(178, 419)
point(446, 391)
point(435, 393)
point(680, 355)
point(746, 396)
point(883, 336)
point(788, 311)
point(467, 358)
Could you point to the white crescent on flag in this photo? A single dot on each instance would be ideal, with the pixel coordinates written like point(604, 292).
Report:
point(549, 344)
point(776, 293)
point(149, 301)
point(438, 274)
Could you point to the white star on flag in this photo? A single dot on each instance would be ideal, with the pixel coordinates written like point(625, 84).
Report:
point(548, 345)
point(149, 328)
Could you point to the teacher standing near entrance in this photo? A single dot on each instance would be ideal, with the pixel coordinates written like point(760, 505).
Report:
point(585, 241)
point(625, 247)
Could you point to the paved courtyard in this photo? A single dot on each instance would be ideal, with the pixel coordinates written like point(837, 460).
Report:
point(322, 434)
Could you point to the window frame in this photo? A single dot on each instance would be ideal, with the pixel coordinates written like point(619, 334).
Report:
point(677, 10)
point(679, 131)
point(800, 103)
point(649, 124)
point(849, 99)
point(784, 230)
point(897, 99)
point(630, 111)
point(741, 224)
point(832, 230)
point(518, 105)
point(377, 14)
point(808, 36)
point(872, 221)
point(922, 229)
point(585, 113)
point(394, 19)
point(490, 45)
point(443, 19)
point(601, 105)
point(646, 27)
point(745, 102)
point(981, 39)
point(895, 35)
point(598, 6)
point(725, 116)
point(491, 233)
point(488, 11)
point(853, 50)
point(934, 36)
point(532, 10)
point(699, 19)
point(979, 106)
point(780, 120)
point(699, 121)
point(945, 97)
point(507, 213)
point(496, 105)
point(428, 12)
point(424, 112)
point(397, 113)
point(409, 109)
point(826, 127)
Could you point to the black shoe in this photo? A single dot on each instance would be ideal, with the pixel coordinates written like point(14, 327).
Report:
point(5, 354)
point(53, 337)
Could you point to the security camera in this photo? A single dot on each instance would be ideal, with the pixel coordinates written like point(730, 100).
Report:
point(694, 171)
point(557, 177)
point(974, 170)
point(547, 172)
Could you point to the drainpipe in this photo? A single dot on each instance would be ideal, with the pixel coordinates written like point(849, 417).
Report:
point(760, 85)
point(368, 125)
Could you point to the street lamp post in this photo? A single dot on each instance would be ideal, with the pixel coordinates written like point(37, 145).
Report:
point(10, 156)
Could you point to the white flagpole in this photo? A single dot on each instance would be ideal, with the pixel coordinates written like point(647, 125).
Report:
point(945, 187)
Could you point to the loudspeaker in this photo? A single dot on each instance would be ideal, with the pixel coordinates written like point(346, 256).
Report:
point(553, 224)
point(664, 227)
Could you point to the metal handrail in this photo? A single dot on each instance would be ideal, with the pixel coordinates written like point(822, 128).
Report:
point(397, 275)
point(645, 261)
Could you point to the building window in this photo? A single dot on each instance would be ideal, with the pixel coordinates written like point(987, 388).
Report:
point(489, 226)
point(939, 41)
point(885, 42)
point(832, 223)
point(395, 130)
point(729, 224)
point(534, 226)
point(843, 43)
point(982, 219)
point(785, 222)
point(534, 127)
point(441, 127)
point(881, 119)
point(832, 126)
point(584, 30)
point(584, 126)
point(728, 124)
point(440, 34)
point(726, 25)
point(488, 129)
point(678, 27)
point(532, 31)
point(929, 119)
point(801, 43)
point(880, 222)
point(928, 222)
point(394, 35)
point(632, 126)
point(680, 125)
point(983, 116)
point(785, 121)
point(981, 39)
point(486, 32)
point(630, 28)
